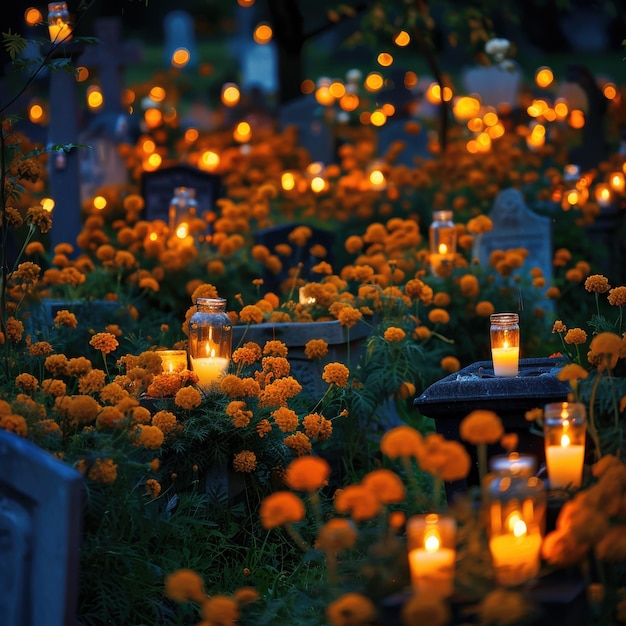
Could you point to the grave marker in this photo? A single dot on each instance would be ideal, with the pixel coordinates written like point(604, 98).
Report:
point(40, 513)
point(494, 85)
point(179, 33)
point(158, 187)
point(516, 226)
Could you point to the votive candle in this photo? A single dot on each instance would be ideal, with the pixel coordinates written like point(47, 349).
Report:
point(173, 360)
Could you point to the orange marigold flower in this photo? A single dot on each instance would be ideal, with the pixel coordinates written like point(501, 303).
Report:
point(247, 354)
point(481, 426)
point(183, 585)
point(405, 390)
point(282, 507)
point(165, 421)
point(617, 296)
point(353, 244)
point(484, 308)
point(14, 424)
point(307, 473)
point(336, 373)
point(92, 381)
point(385, 484)
point(14, 329)
point(153, 488)
point(553, 293)
point(438, 316)
point(426, 609)
point(576, 336)
point(394, 334)
point(149, 437)
point(401, 441)
point(335, 535)
point(286, 419)
point(78, 366)
point(359, 501)
point(351, 609)
point(26, 382)
point(316, 349)
point(109, 417)
point(348, 317)
point(263, 427)
point(597, 283)
point(188, 398)
point(105, 342)
point(447, 459)
point(559, 327)
point(103, 471)
point(65, 318)
point(299, 444)
point(316, 426)
point(572, 371)
point(606, 349)
point(220, 609)
point(244, 461)
point(251, 314)
point(275, 348)
point(40, 348)
point(469, 286)
point(54, 387)
point(246, 595)
point(450, 364)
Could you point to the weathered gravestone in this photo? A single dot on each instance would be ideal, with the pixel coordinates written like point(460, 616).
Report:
point(314, 133)
point(516, 226)
point(158, 187)
point(259, 67)
point(495, 85)
point(40, 513)
point(179, 33)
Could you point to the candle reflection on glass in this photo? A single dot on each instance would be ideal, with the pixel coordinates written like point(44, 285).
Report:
point(173, 360)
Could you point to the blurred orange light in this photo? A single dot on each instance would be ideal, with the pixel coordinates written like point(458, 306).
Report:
point(153, 117)
point(82, 74)
point(544, 77)
point(191, 135)
point(385, 59)
point(180, 57)
point(209, 160)
point(263, 34)
point(243, 132)
point(307, 86)
point(349, 102)
point(576, 119)
point(378, 118)
point(374, 81)
point(35, 113)
point(47, 204)
point(402, 39)
point(33, 16)
point(157, 94)
point(95, 99)
point(610, 91)
point(230, 95)
point(99, 203)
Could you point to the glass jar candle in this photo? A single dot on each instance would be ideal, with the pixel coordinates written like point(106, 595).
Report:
point(515, 504)
point(442, 240)
point(565, 430)
point(505, 336)
point(431, 541)
point(173, 361)
point(59, 26)
point(210, 342)
point(183, 208)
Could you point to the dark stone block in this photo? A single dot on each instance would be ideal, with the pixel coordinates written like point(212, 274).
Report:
point(40, 527)
point(450, 399)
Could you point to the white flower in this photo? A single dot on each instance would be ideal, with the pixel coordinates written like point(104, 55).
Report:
point(497, 47)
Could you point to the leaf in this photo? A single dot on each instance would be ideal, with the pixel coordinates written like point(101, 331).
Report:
point(14, 44)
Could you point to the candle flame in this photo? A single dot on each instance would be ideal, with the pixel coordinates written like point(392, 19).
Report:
point(517, 525)
point(443, 249)
point(432, 543)
point(565, 441)
point(505, 345)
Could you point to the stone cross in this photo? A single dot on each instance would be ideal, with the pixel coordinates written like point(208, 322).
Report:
point(40, 529)
point(109, 57)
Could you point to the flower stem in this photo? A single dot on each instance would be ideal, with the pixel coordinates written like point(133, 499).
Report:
point(593, 431)
point(297, 538)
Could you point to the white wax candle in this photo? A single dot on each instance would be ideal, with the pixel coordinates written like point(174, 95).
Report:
point(432, 572)
point(209, 370)
point(565, 465)
point(515, 559)
point(505, 361)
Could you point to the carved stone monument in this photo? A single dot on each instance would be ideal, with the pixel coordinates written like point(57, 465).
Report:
point(40, 513)
point(516, 226)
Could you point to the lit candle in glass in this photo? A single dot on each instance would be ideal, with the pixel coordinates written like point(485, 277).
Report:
point(617, 181)
point(603, 194)
point(515, 550)
point(432, 553)
point(173, 360)
point(516, 505)
point(565, 428)
point(210, 342)
point(504, 334)
point(442, 239)
point(59, 26)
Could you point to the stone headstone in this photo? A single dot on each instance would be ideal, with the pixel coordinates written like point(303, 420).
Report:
point(494, 85)
point(516, 226)
point(415, 145)
point(259, 67)
point(314, 133)
point(40, 528)
point(158, 188)
point(179, 33)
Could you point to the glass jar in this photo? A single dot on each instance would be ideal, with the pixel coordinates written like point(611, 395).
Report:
point(565, 430)
point(59, 26)
point(505, 338)
point(442, 239)
point(210, 342)
point(183, 207)
point(515, 507)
